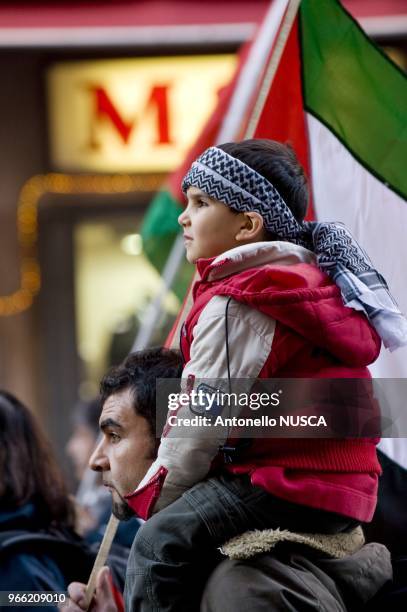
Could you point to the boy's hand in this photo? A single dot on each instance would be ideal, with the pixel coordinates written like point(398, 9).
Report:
point(103, 600)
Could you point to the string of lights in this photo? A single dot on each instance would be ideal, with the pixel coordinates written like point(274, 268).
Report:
point(27, 222)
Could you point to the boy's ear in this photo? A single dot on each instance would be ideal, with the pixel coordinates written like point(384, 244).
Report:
point(252, 228)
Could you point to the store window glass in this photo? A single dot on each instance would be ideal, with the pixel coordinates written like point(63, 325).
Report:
point(114, 284)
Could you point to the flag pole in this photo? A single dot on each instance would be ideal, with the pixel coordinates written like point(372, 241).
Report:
point(277, 26)
point(274, 62)
point(252, 70)
point(247, 82)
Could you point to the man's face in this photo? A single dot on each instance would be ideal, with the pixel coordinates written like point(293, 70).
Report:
point(125, 452)
point(210, 227)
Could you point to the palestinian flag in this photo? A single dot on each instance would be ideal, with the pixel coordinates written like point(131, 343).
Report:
point(342, 104)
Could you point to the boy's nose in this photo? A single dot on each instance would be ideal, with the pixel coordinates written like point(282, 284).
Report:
point(183, 218)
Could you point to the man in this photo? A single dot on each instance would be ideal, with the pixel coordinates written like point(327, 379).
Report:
point(128, 445)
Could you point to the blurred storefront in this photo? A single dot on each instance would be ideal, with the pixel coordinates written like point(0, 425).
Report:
point(100, 101)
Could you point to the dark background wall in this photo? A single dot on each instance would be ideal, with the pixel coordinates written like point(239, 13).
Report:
point(22, 154)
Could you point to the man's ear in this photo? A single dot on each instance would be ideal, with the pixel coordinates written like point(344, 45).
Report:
point(252, 227)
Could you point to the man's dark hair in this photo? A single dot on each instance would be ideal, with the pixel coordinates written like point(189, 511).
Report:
point(277, 163)
point(29, 472)
point(139, 372)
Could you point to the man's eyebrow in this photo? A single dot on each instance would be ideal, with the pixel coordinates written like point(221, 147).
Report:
point(110, 423)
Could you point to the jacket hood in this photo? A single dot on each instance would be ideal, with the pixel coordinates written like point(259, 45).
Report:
point(330, 584)
point(282, 280)
point(358, 569)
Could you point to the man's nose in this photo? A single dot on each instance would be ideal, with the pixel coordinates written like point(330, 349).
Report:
point(98, 460)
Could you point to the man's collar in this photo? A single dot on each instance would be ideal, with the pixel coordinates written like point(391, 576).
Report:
point(252, 255)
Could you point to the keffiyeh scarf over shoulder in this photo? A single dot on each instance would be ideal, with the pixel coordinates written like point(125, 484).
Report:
point(338, 254)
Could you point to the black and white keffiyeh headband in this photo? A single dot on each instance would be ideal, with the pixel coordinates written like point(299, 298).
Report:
point(231, 181)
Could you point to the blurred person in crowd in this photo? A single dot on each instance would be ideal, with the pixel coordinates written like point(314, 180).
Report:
point(32, 494)
point(85, 421)
point(39, 549)
point(93, 499)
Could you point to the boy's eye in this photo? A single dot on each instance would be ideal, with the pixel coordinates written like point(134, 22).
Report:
point(201, 203)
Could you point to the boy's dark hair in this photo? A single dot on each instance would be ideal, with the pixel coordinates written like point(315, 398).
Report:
point(277, 163)
point(139, 372)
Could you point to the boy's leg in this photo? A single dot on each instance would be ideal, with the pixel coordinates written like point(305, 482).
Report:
point(161, 570)
point(174, 551)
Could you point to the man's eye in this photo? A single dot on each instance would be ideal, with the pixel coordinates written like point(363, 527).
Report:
point(114, 437)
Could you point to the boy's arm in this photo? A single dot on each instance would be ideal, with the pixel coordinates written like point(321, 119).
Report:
point(184, 461)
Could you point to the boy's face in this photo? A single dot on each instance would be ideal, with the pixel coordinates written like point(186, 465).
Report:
point(210, 227)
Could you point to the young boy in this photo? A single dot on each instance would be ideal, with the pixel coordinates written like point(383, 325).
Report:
point(264, 307)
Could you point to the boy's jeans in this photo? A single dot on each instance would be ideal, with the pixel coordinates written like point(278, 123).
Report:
point(175, 551)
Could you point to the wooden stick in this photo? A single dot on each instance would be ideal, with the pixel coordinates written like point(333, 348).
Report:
point(101, 557)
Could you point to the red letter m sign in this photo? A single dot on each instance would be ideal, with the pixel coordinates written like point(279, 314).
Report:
point(105, 110)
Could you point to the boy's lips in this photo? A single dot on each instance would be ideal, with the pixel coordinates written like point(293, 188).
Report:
point(186, 237)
